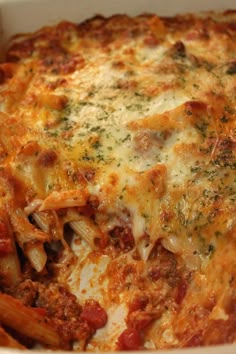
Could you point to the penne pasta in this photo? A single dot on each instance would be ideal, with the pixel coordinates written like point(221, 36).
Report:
point(30, 239)
point(144, 248)
point(65, 199)
point(9, 263)
point(32, 207)
point(6, 140)
point(27, 321)
point(36, 254)
point(84, 228)
point(10, 269)
point(159, 122)
point(49, 222)
point(26, 232)
point(42, 221)
point(8, 341)
point(117, 184)
point(177, 118)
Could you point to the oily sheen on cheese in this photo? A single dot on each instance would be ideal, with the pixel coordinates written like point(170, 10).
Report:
point(117, 179)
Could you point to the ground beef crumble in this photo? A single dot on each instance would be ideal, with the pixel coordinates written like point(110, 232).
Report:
point(63, 309)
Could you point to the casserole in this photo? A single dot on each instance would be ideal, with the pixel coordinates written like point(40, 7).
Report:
point(190, 108)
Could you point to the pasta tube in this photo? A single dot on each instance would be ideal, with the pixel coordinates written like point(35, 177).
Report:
point(27, 321)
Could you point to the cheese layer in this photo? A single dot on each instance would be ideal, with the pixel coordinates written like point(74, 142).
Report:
point(125, 129)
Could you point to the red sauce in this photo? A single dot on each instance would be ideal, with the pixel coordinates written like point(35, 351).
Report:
point(130, 339)
point(94, 314)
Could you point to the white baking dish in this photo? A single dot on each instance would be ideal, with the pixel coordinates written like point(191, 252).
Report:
point(29, 15)
point(19, 16)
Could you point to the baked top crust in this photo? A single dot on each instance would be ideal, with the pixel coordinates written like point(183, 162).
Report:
point(123, 131)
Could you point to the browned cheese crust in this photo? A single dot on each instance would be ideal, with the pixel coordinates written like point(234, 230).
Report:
point(118, 184)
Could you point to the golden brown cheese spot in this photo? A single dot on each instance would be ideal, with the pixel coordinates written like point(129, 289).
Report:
point(157, 26)
point(7, 70)
point(62, 64)
point(53, 101)
point(30, 149)
point(151, 40)
point(156, 176)
point(122, 130)
point(47, 158)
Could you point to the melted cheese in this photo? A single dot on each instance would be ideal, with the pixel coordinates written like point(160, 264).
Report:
point(140, 116)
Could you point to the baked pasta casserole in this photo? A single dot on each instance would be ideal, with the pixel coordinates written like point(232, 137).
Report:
point(118, 184)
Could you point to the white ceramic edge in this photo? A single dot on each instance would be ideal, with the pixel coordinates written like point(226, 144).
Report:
point(32, 13)
point(28, 15)
point(223, 349)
